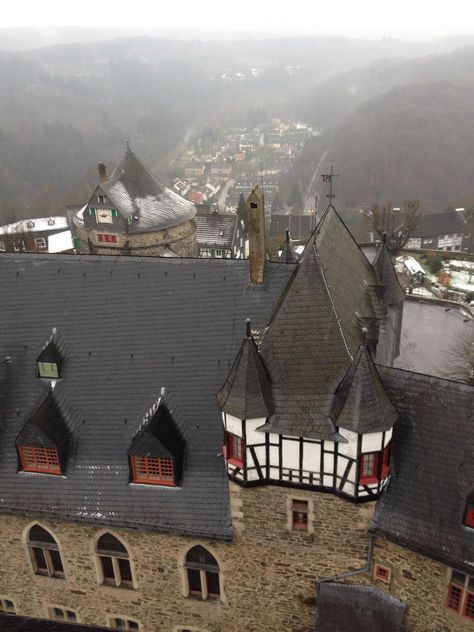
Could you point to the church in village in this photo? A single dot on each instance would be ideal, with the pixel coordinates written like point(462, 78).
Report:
point(223, 445)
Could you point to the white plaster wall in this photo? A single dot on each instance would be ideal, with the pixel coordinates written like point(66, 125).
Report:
point(311, 457)
point(291, 454)
point(372, 442)
point(349, 448)
point(234, 425)
point(250, 431)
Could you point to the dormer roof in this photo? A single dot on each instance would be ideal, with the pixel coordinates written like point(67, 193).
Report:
point(158, 435)
point(360, 403)
point(46, 426)
point(247, 391)
point(53, 349)
point(138, 196)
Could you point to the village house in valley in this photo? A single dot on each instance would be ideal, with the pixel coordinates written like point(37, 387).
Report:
point(220, 445)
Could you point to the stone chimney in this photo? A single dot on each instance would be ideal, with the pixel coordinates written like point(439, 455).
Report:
point(256, 234)
point(101, 168)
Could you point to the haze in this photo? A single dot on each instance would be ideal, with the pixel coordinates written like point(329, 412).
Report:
point(367, 18)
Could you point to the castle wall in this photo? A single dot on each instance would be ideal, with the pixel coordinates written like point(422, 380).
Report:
point(268, 573)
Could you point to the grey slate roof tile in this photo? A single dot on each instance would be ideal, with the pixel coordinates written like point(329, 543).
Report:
point(360, 403)
point(135, 192)
point(132, 325)
point(432, 464)
point(216, 229)
point(247, 391)
point(349, 608)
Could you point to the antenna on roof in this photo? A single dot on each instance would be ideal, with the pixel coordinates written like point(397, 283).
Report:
point(329, 177)
point(248, 333)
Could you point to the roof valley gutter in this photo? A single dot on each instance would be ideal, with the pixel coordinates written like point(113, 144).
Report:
point(359, 571)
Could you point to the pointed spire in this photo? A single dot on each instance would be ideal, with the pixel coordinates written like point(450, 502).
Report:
point(288, 253)
point(247, 391)
point(360, 403)
point(387, 277)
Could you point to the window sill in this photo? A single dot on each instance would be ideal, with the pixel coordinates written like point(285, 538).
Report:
point(369, 481)
point(236, 462)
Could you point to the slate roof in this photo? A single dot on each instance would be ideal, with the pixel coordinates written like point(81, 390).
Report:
point(135, 192)
point(216, 229)
point(316, 331)
point(247, 391)
point(132, 326)
point(387, 277)
point(432, 462)
point(288, 253)
point(349, 608)
point(361, 403)
point(45, 427)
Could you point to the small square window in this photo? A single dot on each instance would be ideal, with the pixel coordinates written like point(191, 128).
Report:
point(382, 573)
point(299, 515)
point(7, 606)
point(49, 370)
point(40, 242)
point(62, 614)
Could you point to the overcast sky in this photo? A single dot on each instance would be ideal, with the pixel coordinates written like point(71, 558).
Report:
point(358, 18)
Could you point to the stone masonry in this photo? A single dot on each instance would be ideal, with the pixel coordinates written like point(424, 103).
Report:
point(268, 572)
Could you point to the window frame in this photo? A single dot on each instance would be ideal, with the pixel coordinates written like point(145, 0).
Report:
point(231, 441)
point(466, 594)
point(149, 464)
point(65, 611)
point(50, 569)
point(296, 510)
point(49, 456)
point(4, 609)
point(114, 557)
point(374, 476)
point(469, 515)
point(41, 242)
point(107, 238)
point(203, 569)
point(127, 622)
point(382, 573)
point(52, 374)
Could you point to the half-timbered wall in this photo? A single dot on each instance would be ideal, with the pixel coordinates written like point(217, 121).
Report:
point(298, 461)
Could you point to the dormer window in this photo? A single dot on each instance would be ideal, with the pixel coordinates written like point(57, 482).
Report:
point(49, 370)
point(153, 470)
point(49, 360)
point(157, 451)
point(43, 460)
point(369, 465)
point(43, 442)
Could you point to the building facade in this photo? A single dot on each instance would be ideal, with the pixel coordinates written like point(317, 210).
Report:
point(207, 445)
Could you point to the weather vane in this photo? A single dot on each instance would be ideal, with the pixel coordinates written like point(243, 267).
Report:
point(329, 177)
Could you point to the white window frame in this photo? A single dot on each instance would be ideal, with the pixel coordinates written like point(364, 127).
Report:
point(40, 242)
point(7, 609)
point(52, 615)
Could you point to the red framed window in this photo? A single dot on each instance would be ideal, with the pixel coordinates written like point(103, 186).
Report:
point(299, 515)
point(382, 573)
point(460, 597)
point(45, 460)
point(369, 466)
point(469, 605)
point(454, 599)
point(107, 238)
point(153, 470)
point(469, 519)
point(235, 449)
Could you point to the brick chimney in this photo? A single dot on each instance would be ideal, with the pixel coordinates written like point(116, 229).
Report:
point(256, 233)
point(101, 168)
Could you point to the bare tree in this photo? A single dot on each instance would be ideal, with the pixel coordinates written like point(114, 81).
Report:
point(393, 224)
point(460, 359)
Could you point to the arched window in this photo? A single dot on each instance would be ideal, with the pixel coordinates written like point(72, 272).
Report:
point(114, 562)
point(44, 553)
point(202, 574)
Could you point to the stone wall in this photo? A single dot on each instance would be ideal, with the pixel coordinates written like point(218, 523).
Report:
point(268, 573)
point(181, 239)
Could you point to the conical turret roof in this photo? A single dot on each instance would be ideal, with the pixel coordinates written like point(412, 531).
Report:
point(361, 403)
point(247, 391)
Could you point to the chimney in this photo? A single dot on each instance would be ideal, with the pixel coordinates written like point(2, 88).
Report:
point(256, 233)
point(102, 172)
